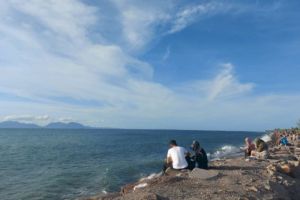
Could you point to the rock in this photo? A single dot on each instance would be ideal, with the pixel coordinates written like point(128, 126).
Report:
point(296, 172)
point(243, 198)
point(149, 196)
point(203, 174)
point(290, 168)
point(286, 183)
point(252, 180)
point(267, 187)
point(271, 169)
point(127, 188)
point(254, 189)
point(286, 169)
point(141, 185)
point(173, 172)
point(294, 163)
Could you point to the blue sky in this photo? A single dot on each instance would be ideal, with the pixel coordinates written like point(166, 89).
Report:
point(226, 65)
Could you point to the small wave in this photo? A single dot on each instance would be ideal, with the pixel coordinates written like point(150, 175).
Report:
point(151, 176)
point(225, 152)
point(228, 151)
point(266, 137)
point(104, 191)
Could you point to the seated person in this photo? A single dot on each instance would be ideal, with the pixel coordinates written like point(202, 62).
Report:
point(249, 147)
point(261, 151)
point(176, 157)
point(198, 157)
point(284, 141)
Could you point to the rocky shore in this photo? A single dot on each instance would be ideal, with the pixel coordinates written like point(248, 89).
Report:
point(277, 177)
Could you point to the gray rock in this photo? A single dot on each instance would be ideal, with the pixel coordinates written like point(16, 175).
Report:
point(253, 188)
point(267, 187)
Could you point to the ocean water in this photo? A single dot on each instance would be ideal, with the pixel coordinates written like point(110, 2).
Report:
point(68, 164)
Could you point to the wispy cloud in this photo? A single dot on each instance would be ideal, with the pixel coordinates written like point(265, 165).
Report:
point(66, 18)
point(192, 13)
point(224, 85)
point(141, 23)
point(139, 20)
point(166, 54)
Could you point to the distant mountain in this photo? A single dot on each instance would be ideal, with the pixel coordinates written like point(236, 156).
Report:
point(70, 125)
point(14, 124)
point(54, 125)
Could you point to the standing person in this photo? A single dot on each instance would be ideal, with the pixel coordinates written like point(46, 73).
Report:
point(199, 155)
point(176, 157)
point(248, 147)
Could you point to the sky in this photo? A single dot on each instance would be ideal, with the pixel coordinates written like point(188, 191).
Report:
point(172, 64)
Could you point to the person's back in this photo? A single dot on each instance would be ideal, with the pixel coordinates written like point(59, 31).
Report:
point(201, 159)
point(177, 155)
point(199, 156)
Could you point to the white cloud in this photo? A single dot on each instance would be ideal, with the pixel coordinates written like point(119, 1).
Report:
point(191, 13)
point(68, 18)
point(223, 85)
point(65, 120)
point(143, 22)
point(27, 118)
point(139, 20)
point(83, 70)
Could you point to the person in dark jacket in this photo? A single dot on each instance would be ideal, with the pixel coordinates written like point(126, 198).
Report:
point(198, 156)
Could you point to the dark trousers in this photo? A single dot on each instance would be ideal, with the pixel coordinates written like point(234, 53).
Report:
point(166, 166)
point(247, 153)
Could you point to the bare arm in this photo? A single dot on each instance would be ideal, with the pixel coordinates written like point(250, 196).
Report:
point(169, 160)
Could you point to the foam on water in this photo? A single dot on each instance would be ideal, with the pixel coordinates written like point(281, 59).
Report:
point(266, 137)
point(104, 191)
point(225, 152)
point(151, 176)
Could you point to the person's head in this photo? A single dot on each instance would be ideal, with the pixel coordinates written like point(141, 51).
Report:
point(172, 143)
point(258, 142)
point(195, 145)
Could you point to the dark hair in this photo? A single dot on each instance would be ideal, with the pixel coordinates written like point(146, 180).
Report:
point(173, 142)
point(195, 146)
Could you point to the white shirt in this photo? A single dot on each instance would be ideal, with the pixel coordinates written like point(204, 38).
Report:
point(177, 154)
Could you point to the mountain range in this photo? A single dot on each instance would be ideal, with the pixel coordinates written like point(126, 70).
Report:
point(53, 125)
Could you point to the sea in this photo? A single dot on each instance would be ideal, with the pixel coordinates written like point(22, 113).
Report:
point(55, 164)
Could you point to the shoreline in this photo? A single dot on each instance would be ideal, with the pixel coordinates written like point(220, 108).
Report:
point(233, 178)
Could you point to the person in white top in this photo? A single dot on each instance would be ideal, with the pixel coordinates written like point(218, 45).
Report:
point(176, 157)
